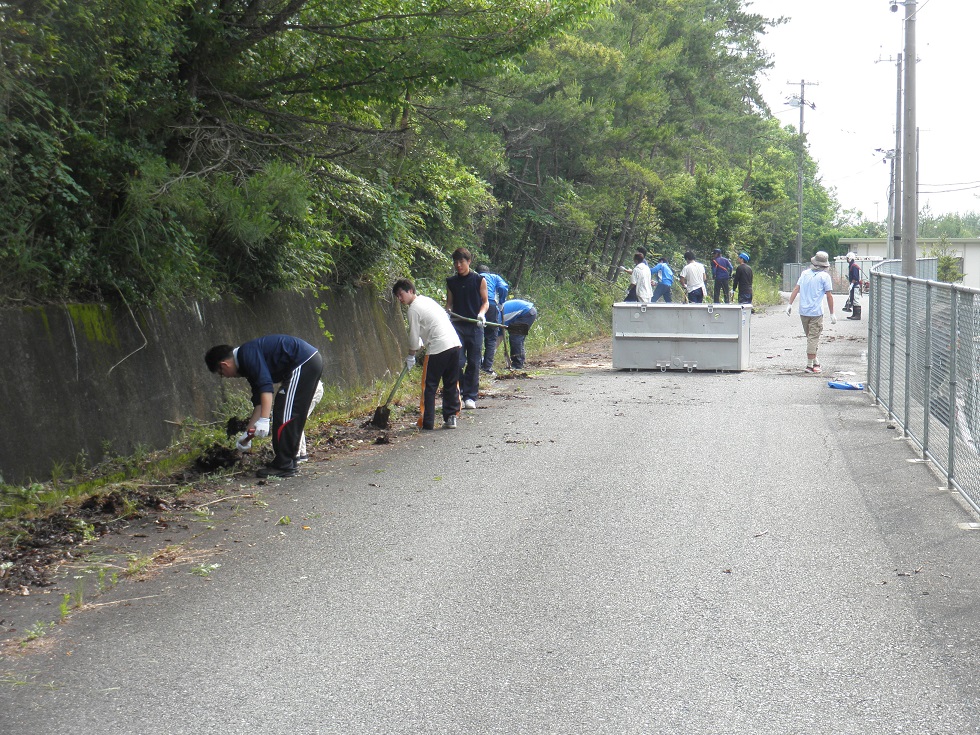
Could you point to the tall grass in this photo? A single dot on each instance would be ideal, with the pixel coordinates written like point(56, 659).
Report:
point(568, 312)
point(765, 289)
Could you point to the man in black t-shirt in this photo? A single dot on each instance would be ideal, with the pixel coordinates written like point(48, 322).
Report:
point(466, 296)
point(742, 280)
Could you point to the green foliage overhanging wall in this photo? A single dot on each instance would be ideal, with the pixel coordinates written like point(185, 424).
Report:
point(160, 150)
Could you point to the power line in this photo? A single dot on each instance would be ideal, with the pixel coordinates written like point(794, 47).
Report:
point(953, 183)
point(947, 191)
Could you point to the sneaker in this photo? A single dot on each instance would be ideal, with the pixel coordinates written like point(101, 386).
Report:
point(450, 422)
point(489, 373)
point(469, 403)
point(276, 472)
point(813, 369)
point(300, 458)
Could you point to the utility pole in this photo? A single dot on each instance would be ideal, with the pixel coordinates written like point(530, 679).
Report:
point(801, 101)
point(893, 242)
point(910, 211)
point(896, 223)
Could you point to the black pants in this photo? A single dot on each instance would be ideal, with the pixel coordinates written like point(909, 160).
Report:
point(442, 367)
point(290, 409)
point(723, 285)
point(518, 329)
point(490, 335)
point(470, 358)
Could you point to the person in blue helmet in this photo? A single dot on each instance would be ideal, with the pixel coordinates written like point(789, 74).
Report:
point(742, 279)
point(518, 317)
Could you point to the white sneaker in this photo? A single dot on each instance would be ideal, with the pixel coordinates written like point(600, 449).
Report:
point(469, 403)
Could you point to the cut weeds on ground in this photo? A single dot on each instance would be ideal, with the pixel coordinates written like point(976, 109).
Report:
point(44, 526)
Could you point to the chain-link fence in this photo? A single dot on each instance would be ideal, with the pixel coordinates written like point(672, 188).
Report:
point(837, 271)
point(927, 268)
point(924, 366)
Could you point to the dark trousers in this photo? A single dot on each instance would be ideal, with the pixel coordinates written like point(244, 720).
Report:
point(662, 290)
point(444, 368)
point(723, 285)
point(745, 297)
point(490, 335)
point(517, 332)
point(696, 296)
point(290, 409)
point(470, 357)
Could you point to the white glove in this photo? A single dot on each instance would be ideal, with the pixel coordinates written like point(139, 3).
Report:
point(410, 362)
point(789, 310)
point(262, 427)
point(244, 442)
point(481, 320)
point(833, 319)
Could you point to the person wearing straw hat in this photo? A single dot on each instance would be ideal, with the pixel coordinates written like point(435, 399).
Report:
point(813, 285)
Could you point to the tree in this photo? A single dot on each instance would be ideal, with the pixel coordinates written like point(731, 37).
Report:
point(950, 263)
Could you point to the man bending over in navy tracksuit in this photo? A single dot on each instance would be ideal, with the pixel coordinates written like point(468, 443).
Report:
point(276, 358)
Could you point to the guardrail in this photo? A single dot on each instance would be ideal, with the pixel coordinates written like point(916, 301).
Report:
point(924, 367)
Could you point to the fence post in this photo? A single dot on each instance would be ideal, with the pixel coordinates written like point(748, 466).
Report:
point(953, 329)
point(891, 348)
point(873, 328)
point(927, 357)
point(908, 359)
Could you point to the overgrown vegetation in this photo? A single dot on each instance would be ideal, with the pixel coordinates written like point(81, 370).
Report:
point(162, 150)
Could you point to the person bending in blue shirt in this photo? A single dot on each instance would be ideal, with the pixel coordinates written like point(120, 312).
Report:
point(497, 290)
point(277, 358)
point(519, 315)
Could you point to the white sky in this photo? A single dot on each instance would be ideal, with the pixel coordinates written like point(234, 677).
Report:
point(837, 44)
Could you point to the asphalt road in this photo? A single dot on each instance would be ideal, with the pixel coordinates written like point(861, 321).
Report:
point(591, 552)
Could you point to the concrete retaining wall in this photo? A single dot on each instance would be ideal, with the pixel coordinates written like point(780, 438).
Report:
point(84, 377)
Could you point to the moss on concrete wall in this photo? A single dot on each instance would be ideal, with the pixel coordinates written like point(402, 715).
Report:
point(84, 376)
